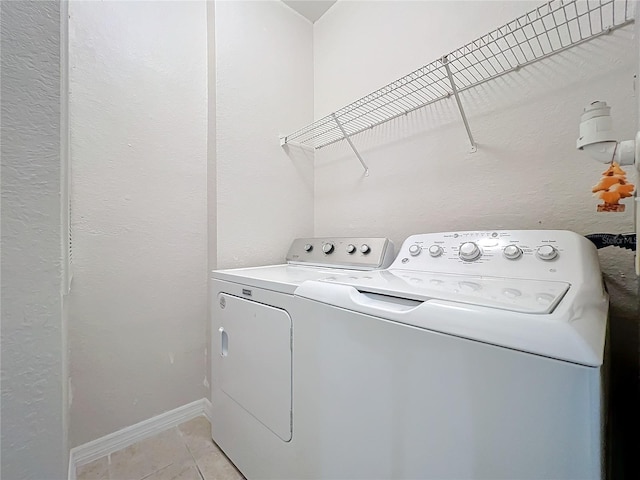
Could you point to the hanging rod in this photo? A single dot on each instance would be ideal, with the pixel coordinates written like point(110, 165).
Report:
point(551, 28)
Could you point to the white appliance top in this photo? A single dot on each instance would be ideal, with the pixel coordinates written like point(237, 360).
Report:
point(513, 294)
point(536, 291)
point(278, 278)
point(314, 259)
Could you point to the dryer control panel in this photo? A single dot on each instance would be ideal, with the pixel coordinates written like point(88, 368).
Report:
point(531, 254)
point(359, 253)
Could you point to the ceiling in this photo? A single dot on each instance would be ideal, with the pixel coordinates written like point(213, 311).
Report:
point(311, 9)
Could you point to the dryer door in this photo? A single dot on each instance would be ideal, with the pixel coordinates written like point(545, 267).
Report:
point(255, 346)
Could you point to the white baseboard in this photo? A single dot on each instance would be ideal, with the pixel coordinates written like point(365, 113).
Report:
point(208, 409)
point(87, 453)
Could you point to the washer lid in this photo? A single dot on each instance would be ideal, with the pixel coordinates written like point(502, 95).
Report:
point(512, 294)
point(278, 278)
point(571, 327)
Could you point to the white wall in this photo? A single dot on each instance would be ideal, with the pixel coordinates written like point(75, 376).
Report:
point(264, 88)
point(33, 325)
point(526, 173)
point(139, 211)
point(142, 184)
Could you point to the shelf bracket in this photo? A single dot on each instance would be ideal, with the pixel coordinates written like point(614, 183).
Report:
point(285, 143)
point(445, 62)
point(353, 147)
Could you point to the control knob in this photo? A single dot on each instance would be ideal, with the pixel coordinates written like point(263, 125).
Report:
point(351, 248)
point(435, 250)
point(327, 248)
point(469, 251)
point(512, 252)
point(364, 248)
point(547, 252)
point(415, 250)
point(308, 247)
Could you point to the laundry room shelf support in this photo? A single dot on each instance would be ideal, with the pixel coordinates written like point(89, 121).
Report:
point(353, 147)
point(551, 28)
point(284, 142)
point(445, 62)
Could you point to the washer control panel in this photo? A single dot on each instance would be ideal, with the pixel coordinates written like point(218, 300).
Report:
point(546, 254)
point(360, 253)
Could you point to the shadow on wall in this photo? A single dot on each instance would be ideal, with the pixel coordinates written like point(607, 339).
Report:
point(300, 157)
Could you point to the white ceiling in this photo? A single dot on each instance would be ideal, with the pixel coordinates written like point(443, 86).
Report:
point(312, 9)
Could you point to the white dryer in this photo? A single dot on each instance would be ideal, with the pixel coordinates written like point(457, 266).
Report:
point(476, 355)
point(255, 319)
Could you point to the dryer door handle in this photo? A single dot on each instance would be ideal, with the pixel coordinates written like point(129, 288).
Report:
point(224, 342)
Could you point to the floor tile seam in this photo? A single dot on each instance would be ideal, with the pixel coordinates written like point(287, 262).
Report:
point(177, 431)
point(140, 478)
point(80, 467)
point(199, 471)
point(195, 462)
point(185, 442)
point(201, 458)
point(193, 457)
point(159, 470)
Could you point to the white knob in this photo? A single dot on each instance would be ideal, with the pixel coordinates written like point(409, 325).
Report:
point(364, 248)
point(351, 248)
point(512, 252)
point(327, 248)
point(435, 250)
point(469, 251)
point(308, 247)
point(547, 252)
point(415, 250)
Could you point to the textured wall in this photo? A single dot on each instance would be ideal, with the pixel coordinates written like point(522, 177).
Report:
point(264, 81)
point(138, 307)
point(33, 370)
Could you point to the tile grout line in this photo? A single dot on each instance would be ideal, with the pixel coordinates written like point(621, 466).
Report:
point(159, 470)
point(186, 444)
point(199, 471)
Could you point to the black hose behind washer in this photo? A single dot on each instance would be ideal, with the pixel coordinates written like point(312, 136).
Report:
point(601, 240)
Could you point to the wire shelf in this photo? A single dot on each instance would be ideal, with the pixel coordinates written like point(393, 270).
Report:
point(549, 29)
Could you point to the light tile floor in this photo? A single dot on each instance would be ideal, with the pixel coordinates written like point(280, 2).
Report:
point(185, 452)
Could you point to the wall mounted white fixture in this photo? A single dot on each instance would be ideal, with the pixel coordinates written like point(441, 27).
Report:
point(597, 140)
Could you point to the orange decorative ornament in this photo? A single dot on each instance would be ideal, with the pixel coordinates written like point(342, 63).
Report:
point(612, 188)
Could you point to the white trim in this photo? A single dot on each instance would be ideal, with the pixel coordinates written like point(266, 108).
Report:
point(72, 466)
point(83, 454)
point(208, 409)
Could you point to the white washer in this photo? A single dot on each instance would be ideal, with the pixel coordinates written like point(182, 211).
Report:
point(255, 319)
point(476, 355)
